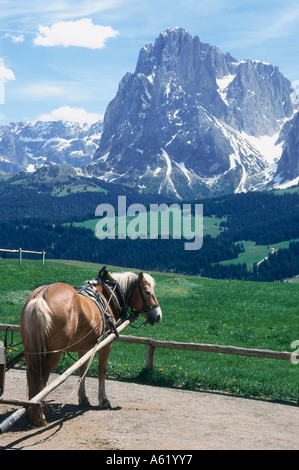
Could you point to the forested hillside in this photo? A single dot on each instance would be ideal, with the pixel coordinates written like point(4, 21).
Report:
point(34, 219)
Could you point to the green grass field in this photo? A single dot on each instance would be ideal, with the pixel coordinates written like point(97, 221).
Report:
point(255, 253)
point(245, 314)
point(211, 225)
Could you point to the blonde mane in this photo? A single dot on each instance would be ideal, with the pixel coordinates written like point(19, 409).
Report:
point(126, 279)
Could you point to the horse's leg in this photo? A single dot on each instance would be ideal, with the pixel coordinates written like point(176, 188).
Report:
point(104, 403)
point(35, 385)
point(83, 398)
point(36, 415)
point(51, 362)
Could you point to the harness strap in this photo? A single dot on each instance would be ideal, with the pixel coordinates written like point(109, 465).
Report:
point(90, 292)
point(106, 279)
point(44, 294)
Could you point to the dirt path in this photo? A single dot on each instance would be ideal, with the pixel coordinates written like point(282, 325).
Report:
point(152, 418)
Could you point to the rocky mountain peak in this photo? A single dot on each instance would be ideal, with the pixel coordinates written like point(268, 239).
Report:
point(194, 121)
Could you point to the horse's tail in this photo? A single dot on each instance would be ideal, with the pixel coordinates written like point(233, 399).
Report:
point(37, 320)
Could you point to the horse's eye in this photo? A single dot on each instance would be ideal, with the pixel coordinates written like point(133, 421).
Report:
point(147, 292)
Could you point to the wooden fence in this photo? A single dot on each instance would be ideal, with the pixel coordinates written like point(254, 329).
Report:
point(210, 348)
point(21, 251)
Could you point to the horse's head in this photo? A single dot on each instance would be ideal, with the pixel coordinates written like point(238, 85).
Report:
point(144, 301)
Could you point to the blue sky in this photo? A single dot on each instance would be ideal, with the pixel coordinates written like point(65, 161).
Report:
point(65, 58)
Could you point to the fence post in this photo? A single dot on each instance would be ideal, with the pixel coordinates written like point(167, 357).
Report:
point(20, 255)
point(149, 359)
point(43, 259)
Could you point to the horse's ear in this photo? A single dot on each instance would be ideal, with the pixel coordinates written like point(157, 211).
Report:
point(140, 277)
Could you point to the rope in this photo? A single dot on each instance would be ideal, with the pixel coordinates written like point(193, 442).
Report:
point(67, 347)
point(81, 379)
point(140, 326)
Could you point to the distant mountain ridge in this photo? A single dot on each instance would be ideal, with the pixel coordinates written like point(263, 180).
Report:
point(25, 146)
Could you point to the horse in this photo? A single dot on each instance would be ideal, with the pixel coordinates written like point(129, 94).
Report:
point(59, 317)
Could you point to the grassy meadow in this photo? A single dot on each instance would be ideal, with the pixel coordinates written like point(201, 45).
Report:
point(237, 313)
point(211, 225)
point(256, 253)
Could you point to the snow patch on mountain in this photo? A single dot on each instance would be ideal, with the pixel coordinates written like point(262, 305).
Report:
point(167, 182)
point(267, 146)
point(184, 170)
point(223, 84)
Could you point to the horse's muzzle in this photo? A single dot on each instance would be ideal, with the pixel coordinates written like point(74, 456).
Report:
point(154, 316)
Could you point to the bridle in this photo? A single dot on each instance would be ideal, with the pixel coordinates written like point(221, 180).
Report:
point(105, 277)
point(145, 307)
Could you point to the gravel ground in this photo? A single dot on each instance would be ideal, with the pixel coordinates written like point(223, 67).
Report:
point(151, 418)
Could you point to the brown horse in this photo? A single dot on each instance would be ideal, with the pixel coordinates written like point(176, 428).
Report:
point(58, 318)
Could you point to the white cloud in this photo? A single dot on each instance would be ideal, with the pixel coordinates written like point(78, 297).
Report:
point(66, 113)
point(73, 92)
point(295, 85)
point(80, 33)
point(14, 38)
point(6, 74)
point(34, 11)
point(44, 90)
point(282, 26)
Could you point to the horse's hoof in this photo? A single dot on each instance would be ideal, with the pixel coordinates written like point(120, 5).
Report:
point(38, 424)
point(105, 405)
point(41, 423)
point(85, 402)
point(36, 421)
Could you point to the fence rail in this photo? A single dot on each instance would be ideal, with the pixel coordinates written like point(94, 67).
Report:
point(21, 251)
point(151, 344)
point(203, 347)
